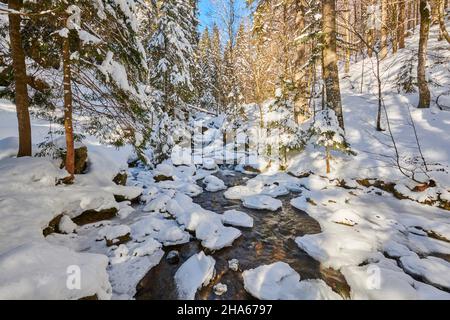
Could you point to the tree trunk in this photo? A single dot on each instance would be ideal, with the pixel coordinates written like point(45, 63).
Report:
point(301, 103)
point(384, 29)
point(327, 158)
point(444, 32)
point(401, 24)
point(329, 60)
point(347, 36)
point(68, 126)
point(380, 98)
point(424, 92)
point(371, 32)
point(394, 33)
point(20, 78)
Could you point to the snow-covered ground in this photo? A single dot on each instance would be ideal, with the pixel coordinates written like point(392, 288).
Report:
point(384, 247)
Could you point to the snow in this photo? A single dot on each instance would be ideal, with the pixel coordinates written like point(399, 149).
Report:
point(165, 231)
point(209, 164)
point(278, 281)
point(8, 147)
point(433, 270)
point(66, 225)
point(213, 184)
point(115, 71)
point(384, 280)
point(207, 225)
point(270, 184)
point(261, 202)
point(196, 272)
point(113, 232)
point(220, 289)
point(385, 248)
point(233, 264)
point(125, 209)
point(237, 218)
point(42, 271)
point(148, 247)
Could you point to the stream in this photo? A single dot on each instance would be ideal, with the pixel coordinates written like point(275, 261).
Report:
point(270, 240)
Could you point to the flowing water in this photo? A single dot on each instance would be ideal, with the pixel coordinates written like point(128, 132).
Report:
point(270, 240)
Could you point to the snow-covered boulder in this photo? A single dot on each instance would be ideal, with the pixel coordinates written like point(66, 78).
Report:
point(237, 218)
point(114, 235)
point(261, 202)
point(195, 273)
point(434, 270)
point(209, 164)
point(166, 231)
point(278, 281)
point(213, 184)
point(66, 225)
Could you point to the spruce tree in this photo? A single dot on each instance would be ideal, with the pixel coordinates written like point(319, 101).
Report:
point(172, 50)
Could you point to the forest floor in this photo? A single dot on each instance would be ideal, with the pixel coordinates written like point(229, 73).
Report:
point(184, 231)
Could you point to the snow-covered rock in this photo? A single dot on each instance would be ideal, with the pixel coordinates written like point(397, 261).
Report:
point(434, 270)
point(148, 247)
point(237, 218)
point(125, 209)
point(66, 225)
point(213, 184)
point(113, 233)
point(166, 231)
point(220, 289)
point(278, 281)
point(207, 225)
point(209, 164)
point(196, 272)
point(233, 264)
point(158, 204)
point(261, 202)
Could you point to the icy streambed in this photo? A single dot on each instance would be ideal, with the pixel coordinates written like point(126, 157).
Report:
point(270, 240)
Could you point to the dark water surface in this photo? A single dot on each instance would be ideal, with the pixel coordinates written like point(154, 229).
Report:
point(270, 240)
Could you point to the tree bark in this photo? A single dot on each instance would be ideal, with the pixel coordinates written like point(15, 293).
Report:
point(424, 92)
point(347, 36)
point(384, 29)
point(371, 34)
point(401, 24)
point(329, 60)
point(68, 125)
point(444, 32)
point(327, 159)
point(301, 103)
point(20, 79)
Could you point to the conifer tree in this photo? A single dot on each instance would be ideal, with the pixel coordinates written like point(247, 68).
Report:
point(172, 50)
